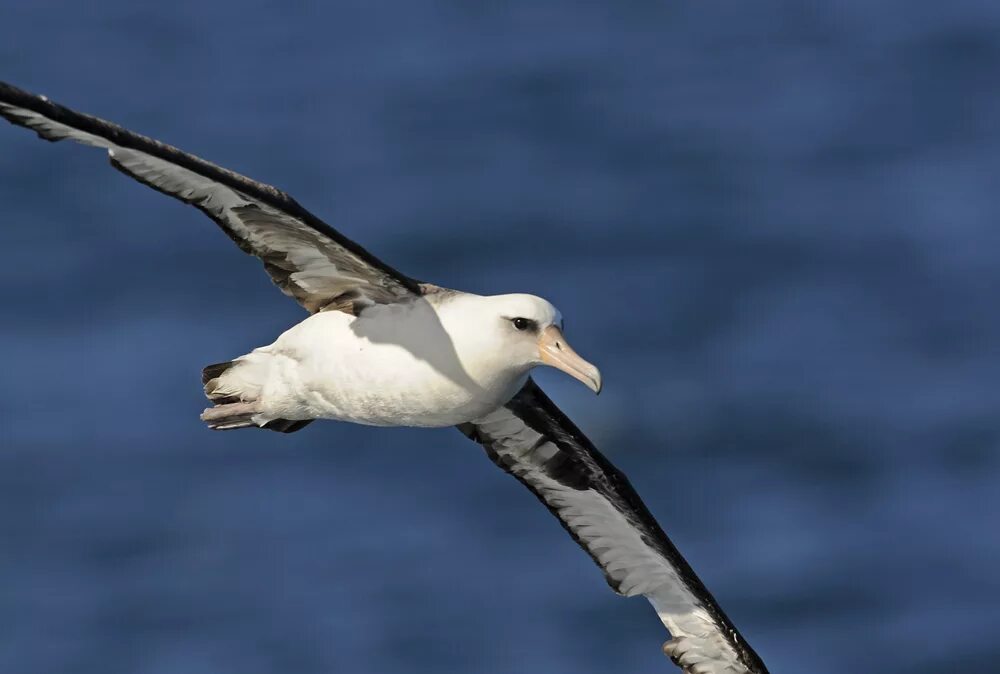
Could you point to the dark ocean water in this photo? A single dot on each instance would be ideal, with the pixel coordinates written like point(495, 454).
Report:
point(773, 226)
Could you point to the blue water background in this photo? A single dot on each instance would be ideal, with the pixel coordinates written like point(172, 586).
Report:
point(775, 226)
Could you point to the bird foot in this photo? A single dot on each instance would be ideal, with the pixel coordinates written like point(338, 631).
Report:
point(231, 409)
point(230, 415)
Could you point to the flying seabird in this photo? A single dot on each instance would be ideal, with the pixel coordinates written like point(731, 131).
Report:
point(381, 348)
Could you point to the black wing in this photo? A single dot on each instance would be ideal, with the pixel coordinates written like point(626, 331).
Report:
point(305, 257)
point(532, 439)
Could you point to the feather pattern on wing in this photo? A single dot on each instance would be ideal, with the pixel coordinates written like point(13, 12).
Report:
point(305, 257)
point(532, 439)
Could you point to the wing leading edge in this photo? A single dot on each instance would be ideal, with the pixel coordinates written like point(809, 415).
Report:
point(305, 257)
point(534, 441)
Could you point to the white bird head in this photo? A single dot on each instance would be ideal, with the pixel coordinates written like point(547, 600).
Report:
point(525, 331)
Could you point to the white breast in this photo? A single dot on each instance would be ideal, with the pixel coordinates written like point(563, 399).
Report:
point(396, 365)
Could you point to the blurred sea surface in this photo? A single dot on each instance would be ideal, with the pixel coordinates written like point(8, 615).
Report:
point(773, 226)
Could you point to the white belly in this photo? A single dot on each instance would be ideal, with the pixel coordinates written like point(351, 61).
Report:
point(394, 366)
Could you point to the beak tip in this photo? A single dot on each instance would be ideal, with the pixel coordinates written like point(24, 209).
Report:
point(555, 352)
point(597, 385)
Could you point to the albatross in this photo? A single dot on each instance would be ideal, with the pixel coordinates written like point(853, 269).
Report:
point(383, 349)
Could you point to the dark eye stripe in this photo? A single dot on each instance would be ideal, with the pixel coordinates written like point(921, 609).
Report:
point(524, 324)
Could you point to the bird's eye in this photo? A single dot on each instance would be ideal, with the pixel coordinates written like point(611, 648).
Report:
point(521, 323)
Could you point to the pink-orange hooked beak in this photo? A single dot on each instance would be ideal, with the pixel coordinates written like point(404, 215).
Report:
point(553, 350)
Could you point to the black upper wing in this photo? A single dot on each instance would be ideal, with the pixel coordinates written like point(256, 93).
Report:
point(305, 257)
point(532, 439)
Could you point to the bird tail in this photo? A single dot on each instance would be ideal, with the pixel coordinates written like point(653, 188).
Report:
point(234, 388)
point(211, 379)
